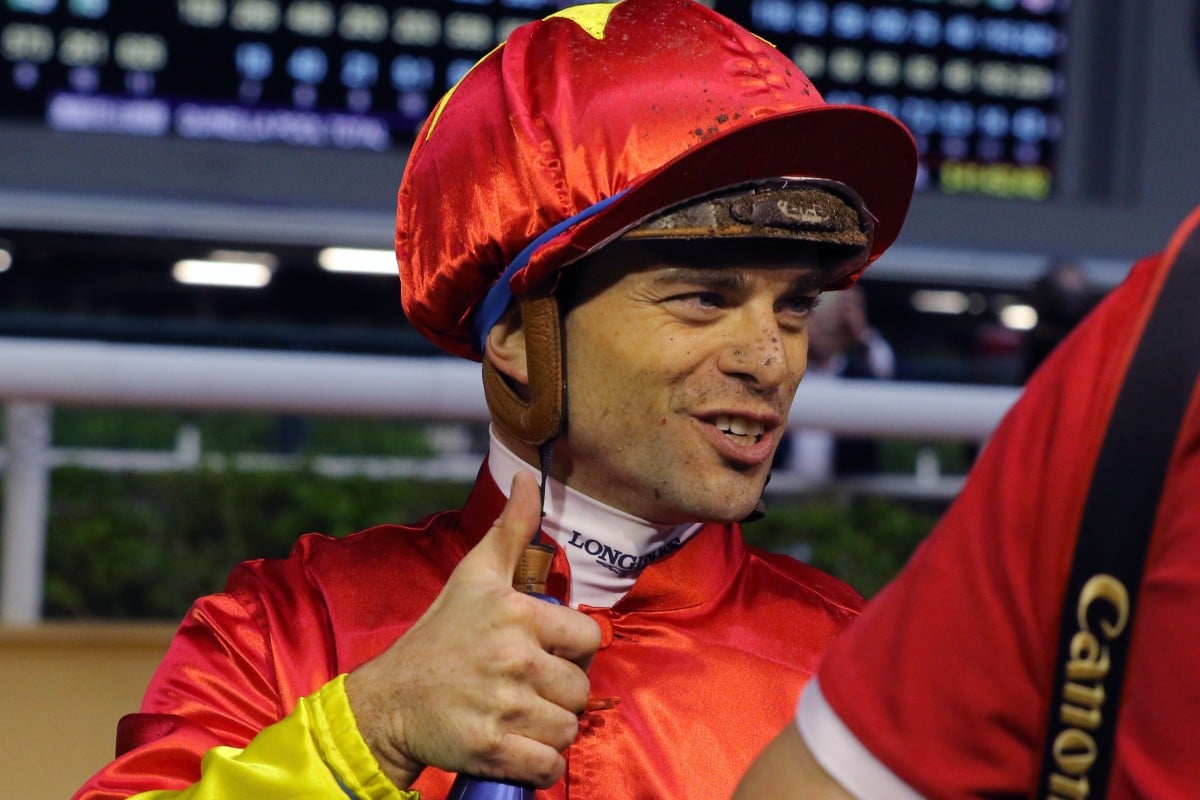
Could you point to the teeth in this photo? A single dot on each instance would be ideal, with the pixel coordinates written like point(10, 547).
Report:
point(740, 426)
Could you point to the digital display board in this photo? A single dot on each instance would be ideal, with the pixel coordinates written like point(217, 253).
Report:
point(979, 82)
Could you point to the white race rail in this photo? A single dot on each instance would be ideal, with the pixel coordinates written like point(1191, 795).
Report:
point(36, 374)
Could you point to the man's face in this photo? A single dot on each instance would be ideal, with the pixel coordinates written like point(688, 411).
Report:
point(682, 361)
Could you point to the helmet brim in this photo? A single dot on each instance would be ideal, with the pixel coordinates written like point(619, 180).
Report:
point(867, 150)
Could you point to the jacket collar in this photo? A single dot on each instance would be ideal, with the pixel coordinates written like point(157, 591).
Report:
point(691, 576)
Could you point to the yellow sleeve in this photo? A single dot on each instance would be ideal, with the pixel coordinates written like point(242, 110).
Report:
point(314, 752)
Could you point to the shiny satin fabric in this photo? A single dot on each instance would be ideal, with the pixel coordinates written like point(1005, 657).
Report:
point(707, 655)
point(314, 752)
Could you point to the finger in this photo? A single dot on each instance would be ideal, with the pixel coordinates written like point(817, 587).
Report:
point(562, 683)
point(500, 550)
point(528, 761)
point(546, 723)
point(567, 633)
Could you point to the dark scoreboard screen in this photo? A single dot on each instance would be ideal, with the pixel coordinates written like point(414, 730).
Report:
point(980, 83)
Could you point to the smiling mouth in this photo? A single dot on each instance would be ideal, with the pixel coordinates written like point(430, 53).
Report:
point(742, 430)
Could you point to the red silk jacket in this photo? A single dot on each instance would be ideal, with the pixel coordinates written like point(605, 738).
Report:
point(707, 653)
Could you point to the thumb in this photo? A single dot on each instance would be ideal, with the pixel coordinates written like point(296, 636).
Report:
point(500, 550)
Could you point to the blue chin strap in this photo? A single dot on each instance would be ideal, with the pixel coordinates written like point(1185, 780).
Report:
point(498, 298)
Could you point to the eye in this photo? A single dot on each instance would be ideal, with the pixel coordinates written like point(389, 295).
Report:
point(697, 305)
point(707, 299)
point(799, 304)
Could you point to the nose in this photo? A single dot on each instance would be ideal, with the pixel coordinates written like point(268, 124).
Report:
point(762, 354)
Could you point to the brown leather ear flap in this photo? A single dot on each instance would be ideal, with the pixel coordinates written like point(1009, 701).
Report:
point(540, 418)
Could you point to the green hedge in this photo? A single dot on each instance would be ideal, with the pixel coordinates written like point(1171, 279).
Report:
point(864, 542)
point(143, 546)
point(224, 432)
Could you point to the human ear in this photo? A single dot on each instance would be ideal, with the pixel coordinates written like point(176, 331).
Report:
point(505, 349)
point(526, 403)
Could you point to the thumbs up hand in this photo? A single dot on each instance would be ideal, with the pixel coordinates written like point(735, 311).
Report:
point(488, 681)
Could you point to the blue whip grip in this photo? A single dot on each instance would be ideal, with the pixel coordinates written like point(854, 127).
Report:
point(468, 788)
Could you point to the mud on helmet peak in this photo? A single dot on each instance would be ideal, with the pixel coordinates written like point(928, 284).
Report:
point(589, 122)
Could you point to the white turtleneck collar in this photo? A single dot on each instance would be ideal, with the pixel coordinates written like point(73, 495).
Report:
point(605, 547)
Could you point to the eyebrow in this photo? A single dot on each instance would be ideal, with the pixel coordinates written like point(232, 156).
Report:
point(733, 279)
point(714, 278)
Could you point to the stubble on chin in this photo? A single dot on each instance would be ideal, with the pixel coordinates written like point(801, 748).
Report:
point(720, 504)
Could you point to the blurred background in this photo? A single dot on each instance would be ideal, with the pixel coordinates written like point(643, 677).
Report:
point(202, 353)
